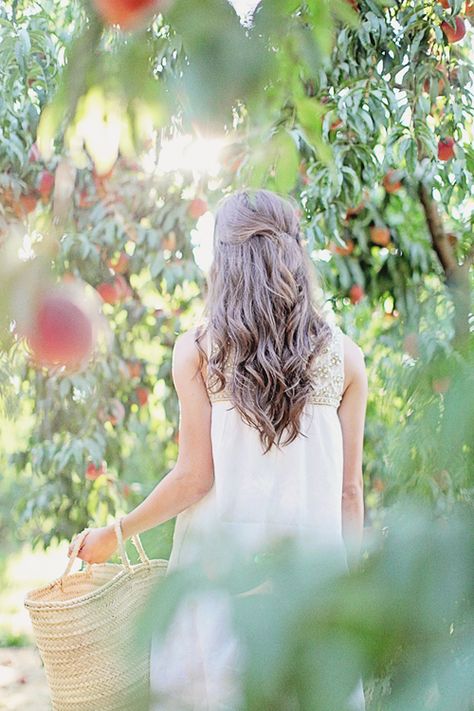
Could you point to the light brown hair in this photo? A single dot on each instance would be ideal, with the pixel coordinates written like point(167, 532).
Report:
point(261, 314)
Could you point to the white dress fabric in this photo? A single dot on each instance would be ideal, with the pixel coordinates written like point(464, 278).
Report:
point(255, 499)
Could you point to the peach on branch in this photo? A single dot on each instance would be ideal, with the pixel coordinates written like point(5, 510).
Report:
point(94, 471)
point(109, 292)
point(337, 123)
point(356, 293)
point(119, 265)
point(113, 292)
point(46, 185)
point(339, 249)
point(26, 204)
point(442, 80)
point(128, 14)
point(61, 329)
point(446, 148)
point(134, 368)
point(354, 4)
point(142, 395)
point(391, 181)
point(380, 235)
point(197, 208)
point(454, 34)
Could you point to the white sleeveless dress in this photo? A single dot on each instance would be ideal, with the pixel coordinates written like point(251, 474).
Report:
point(255, 499)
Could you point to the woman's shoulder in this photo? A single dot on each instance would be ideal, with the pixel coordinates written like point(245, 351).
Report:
point(354, 360)
point(351, 349)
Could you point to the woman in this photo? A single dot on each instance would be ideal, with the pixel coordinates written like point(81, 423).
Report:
point(272, 410)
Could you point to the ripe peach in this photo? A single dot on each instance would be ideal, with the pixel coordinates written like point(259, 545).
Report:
point(440, 69)
point(343, 251)
point(446, 148)
point(142, 396)
point(128, 14)
point(356, 293)
point(109, 292)
point(27, 203)
point(120, 264)
point(391, 181)
point(197, 208)
point(60, 331)
point(134, 368)
point(46, 184)
point(380, 235)
point(93, 472)
point(115, 291)
point(454, 34)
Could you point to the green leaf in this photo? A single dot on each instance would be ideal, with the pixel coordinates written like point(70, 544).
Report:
point(286, 162)
point(309, 116)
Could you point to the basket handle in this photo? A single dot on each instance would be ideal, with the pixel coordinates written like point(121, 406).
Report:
point(136, 542)
point(75, 552)
point(123, 553)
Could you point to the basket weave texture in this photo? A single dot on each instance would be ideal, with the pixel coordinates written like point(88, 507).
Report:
point(84, 627)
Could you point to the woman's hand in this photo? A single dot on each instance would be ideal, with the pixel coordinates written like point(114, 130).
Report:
point(98, 546)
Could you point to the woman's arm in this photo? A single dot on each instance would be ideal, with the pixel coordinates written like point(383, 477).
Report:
point(352, 411)
point(193, 474)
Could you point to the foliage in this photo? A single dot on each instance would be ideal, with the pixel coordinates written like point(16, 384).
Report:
point(355, 108)
point(405, 607)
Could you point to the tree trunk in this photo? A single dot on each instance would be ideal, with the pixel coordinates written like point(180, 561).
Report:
point(457, 275)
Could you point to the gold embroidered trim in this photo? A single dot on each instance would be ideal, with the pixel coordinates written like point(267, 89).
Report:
point(329, 375)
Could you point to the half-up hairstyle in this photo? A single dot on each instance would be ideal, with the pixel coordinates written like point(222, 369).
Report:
point(260, 314)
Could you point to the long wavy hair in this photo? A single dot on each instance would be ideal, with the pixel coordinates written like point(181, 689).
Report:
point(260, 316)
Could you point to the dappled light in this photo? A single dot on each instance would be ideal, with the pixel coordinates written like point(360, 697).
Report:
point(124, 128)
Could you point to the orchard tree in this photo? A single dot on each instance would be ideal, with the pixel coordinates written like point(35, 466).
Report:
point(361, 110)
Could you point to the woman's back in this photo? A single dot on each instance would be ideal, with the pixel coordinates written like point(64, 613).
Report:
point(292, 490)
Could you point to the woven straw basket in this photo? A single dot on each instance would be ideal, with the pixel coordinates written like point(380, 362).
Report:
point(83, 624)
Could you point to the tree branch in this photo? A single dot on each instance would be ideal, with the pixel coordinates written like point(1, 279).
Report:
point(439, 238)
point(457, 276)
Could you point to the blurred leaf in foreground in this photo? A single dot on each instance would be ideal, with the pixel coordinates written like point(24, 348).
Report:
point(305, 637)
